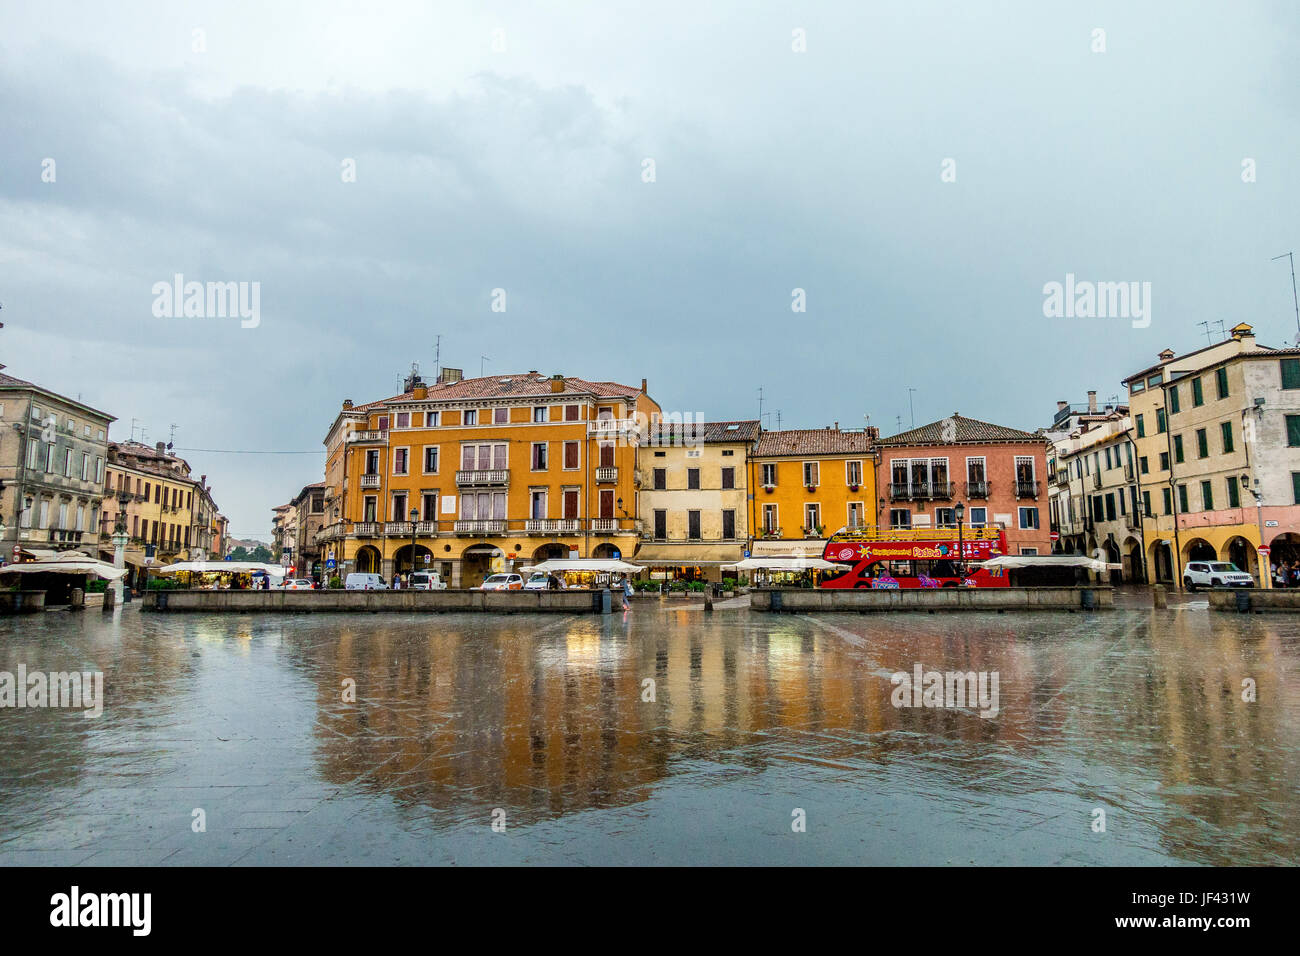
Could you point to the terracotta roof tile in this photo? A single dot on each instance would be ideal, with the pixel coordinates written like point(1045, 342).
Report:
point(812, 441)
point(963, 430)
point(708, 432)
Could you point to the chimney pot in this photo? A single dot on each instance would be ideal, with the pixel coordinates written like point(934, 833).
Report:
point(347, 403)
point(643, 387)
point(1062, 406)
point(1092, 402)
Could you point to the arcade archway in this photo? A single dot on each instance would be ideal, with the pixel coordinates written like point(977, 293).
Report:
point(368, 560)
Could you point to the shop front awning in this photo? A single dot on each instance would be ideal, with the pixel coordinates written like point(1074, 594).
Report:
point(222, 567)
point(596, 565)
point(687, 554)
point(795, 548)
point(1010, 561)
point(785, 564)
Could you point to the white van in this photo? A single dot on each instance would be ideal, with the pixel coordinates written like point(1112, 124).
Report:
point(359, 581)
point(427, 581)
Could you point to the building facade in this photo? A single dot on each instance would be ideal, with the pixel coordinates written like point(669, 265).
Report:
point(485, 474)
point(1218, 443)
point(806, 484)
point(168, 513)
point(694, 508)
point(52, 455)
point(997, 474)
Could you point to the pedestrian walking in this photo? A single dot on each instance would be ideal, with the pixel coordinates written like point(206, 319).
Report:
point(627, 593)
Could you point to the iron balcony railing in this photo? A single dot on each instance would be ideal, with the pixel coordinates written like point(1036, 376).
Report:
point(1026, 489)
point(977, 489)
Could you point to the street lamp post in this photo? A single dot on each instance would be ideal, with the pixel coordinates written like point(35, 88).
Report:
point(119, 545)
point(960, 512)
point(1265, 564)
point(415, 513)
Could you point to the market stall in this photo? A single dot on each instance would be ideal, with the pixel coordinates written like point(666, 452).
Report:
point(786, 571)
point(59, 574)
point(586, 572)
point(223, 575)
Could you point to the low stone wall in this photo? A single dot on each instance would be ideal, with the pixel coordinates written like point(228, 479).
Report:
point(21, 602)
point(254, 602)
point(930, 599)
point(1256, 600)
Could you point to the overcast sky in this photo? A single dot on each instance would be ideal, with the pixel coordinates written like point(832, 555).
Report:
point(522, 169)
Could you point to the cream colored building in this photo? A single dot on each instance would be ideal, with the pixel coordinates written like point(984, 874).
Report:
point(694, 498)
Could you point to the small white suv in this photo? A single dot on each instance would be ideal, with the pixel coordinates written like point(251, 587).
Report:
point(1215, 574)
point(427, 581)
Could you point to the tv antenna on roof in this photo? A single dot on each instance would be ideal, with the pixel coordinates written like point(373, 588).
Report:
point(437, 358)
point(1294, 298)
point(482, 361)
point(171, 440)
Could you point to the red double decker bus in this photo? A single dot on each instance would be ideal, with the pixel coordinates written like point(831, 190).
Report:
point(915, 558)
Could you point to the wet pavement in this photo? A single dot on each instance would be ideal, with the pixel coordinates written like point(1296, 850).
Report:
point(543, 725)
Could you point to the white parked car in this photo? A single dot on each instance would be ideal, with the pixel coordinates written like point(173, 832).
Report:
point(427, 581)
point(299, 584)
point(1215, 574)
point(361, 581)
point(541, 581)
point(502, 582)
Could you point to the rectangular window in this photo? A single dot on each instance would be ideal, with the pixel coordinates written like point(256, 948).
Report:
point(1160, 421)
point(1168, 500)
point(900, 517)
point(978, 517)
point(1221, 382)
point(661, 524)
point(1202, 444)
point(430, 459)
point(729, 524)
point(67, 463)
point(500, 416)
point(539, 456)
point(1295, 487)
point(1293, 431)
point(693, 525)
point(661, 479)
point(537, 504)
point(1207, 496)
point(570, 503)
point(852, 473)
point(1141, 427)
point(1110, 507)
point(693, 478)
point(945, 518)
point(812, 517)
point(1029, 518)
point(769, 474)
point(1178, 449)
point(1164, 461)
point(1142, 465)
point(570, 413)
point(383, 423)
point(570, 455)
point(400, 463)
point(1183, 506)
point(728, 478)
point(607, 455)
point(1291, 373)
point(1173, 400)
point(85, 466)
point(810, 474)
point(403, 419)
point(855, 514)
point(1234, 493)
point(1198, 395)
point(539, 414)
point(471, 416)
point(1225, 432)
point(99, 469)
point(1146, 504)
point(770, 525)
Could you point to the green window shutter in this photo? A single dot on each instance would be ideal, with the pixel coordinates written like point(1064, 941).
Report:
point(1293, 431)
point(1291, 373)
point(1234, 494)
point(1173, 399)
point(1221, 382)
point(1207, 496)
point(1142, 427)
point(1178, 449)
point(1295, 486)
point(1182, 499)
point(1226, 429)
point(1202, 444)
point(1198, 397)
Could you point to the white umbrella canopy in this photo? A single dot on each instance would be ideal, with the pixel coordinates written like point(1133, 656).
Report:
point(785, 564)
point(228, 567)
point(70, 562)
point(587, 564)
point(1047, 561)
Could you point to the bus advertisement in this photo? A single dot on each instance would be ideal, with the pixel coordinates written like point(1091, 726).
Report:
point(890, 558)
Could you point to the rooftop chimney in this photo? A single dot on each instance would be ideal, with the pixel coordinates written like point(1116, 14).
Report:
point(837, 426)
point(557, 383)
point(347, 403)
point(1092, 402)
point(644, 391)
point(160, 447)
point(420, 391)
point(1166, 356)
point(1062, 406)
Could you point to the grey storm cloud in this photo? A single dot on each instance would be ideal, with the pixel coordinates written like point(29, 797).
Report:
point(774, 170)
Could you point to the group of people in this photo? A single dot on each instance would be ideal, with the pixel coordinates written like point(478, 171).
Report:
point(1286, 574)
